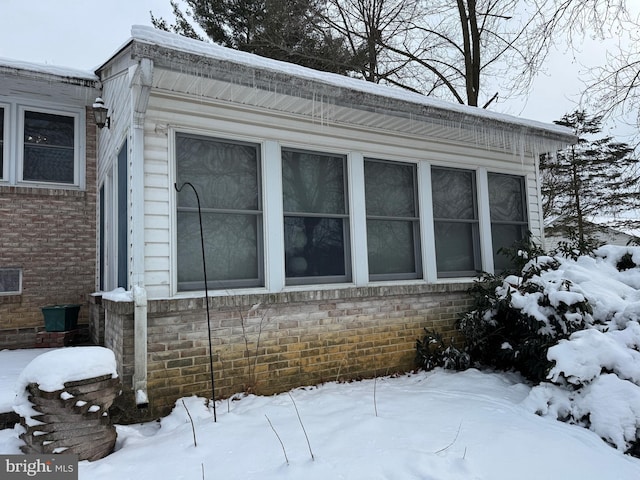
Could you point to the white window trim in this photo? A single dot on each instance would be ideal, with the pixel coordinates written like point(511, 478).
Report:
point(427, 229)
point(479, 198)
point(484, 216)
point(419, 262)
point(357, 219)
point(273, 216)
point(525, 198)
point(79, 165)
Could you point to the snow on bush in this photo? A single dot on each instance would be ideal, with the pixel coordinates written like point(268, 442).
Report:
point(613, 408)
point(587, 353)
point(517, 318)
point(571, 325)
point(595, 377)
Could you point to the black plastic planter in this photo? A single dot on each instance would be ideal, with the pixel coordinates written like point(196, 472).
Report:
point(61, 318)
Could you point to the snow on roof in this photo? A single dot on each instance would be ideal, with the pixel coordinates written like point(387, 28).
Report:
point(11, 64)
point(153, 36)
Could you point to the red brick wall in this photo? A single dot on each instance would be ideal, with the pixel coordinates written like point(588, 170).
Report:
point(51, 235)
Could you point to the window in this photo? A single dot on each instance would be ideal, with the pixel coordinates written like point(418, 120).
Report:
point(226, 176)
point(456, 225)
point(10, 281)
point(393, 227)
point(315, 217)
point(41, 147)
point(509, 224)
point(49, 148)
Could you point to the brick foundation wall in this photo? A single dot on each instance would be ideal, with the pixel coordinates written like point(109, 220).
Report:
point(19, 337)
point(96, 319)
point(51, 234)
point(290, 339)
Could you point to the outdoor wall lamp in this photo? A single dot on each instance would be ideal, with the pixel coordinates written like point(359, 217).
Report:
point(101, 113)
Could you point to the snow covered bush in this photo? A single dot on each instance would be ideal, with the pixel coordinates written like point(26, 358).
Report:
point(572, 326)
point(518, 318)
point(595, 378)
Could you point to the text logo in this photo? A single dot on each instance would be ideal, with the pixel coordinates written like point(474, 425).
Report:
point(50, 467)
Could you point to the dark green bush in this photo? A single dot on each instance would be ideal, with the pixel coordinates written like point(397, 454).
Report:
point(432, 352)
point(626, 263)
point(498, 332)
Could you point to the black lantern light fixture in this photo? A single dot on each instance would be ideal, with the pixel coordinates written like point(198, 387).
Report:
point(101, 113)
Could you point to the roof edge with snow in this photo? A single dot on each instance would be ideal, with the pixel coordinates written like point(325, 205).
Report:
point(48, 72)
point(178, 53)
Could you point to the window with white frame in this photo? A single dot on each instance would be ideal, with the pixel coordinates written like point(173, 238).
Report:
point(316, 220)
point(456, 224)
point(49, 147)
point(226, 175)
point(393, 226)
point(509, 223)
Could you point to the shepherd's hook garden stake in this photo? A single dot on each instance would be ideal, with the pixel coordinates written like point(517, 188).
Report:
point(206, 293)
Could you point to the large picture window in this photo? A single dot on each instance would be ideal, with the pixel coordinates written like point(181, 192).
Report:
point(226, 175)
point(49, 148)
point(315, 217)
point(456, 224)
point(393, 227)
point(509, 224)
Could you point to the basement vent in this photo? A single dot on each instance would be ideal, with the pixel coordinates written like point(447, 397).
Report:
point(10, 281)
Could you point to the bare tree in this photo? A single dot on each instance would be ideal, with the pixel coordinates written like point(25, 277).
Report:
point(368, 25)
point(442, 47)
point(468, 51)
point(615, 87)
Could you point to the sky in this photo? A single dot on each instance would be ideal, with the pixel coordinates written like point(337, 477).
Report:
point(84, 33)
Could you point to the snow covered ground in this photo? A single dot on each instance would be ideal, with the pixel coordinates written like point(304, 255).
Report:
point(12, 362)
point(439, 425)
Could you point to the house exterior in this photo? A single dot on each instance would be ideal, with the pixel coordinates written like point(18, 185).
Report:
point(340, 218)
point(600, 233)
point(47, 195)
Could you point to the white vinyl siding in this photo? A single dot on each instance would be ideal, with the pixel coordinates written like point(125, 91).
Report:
point(117, 96)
